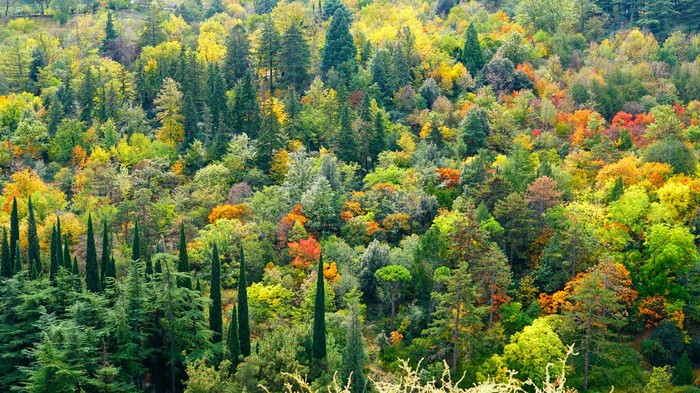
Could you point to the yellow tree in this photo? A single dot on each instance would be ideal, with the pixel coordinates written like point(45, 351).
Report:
point(168, 105)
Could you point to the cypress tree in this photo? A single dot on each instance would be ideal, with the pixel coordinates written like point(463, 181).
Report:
point(104, 260)
point(136, 247)
point(14, 232)
point(243, 321)
point(59, 248)
point(112, 268)
point(149, 267)
point(33, 251)
point(472, 55)
point(92, 274)
point(339, 51)
point(6, 269)
point(354, 355)
point(234, 345)
point(183, 263)
point(319, 338)
point(66, 254)
point(296, 54)
point(18, 260)
point(53, 267)
point(215, 317)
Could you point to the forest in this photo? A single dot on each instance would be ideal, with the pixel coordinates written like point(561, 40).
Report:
point(349, 196)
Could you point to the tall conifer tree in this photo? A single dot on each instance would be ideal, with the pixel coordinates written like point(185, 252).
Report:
point(14, 230)
point(319, 338)
point(243, 321)
point(234, 345)
point(92, 274)
point(53, 256)
point(33, 250)
point(136, 246)
point(472, 55)
point(6, 269)
point(296, 54)
point(339, 51)
point(104, 260)
point(183, 263)
point(215, 317)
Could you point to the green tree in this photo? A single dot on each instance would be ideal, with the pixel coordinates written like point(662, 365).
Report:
point(346, 144)
point(136, 245)
point(393, 277)
point(243, 321)
point(14, 234)
point(319, 337)
point(670, 253)
point(472, 56)
point(237, 60)
point(106, 252)
point(6, 269)
point(111, 34)
point(183, 264)
point(215, 317)
point(169, 112)
point(86, 96)
point(245, 112)
point(354, 353)
point(153, 33)
point(33, 249)
point(683, 371)
point(53, 256)
point(296, 54)
point(339, 50)
point(234, 344)
point(271, 135)
point(92, 275)
point(269, 52)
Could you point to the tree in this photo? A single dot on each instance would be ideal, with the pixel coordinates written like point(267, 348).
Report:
point(672, 151)
point(670, 253)
point(319, 337)
point(215, 317)
point(92, 275)
point(33, 250)
point(535, 350)
point(153, 33)
point(659, 16)
point(86, 96)
point(14, 232)
point(514, 216)
point(53, 258)
point(339, 50)
point(683, 372)
point(66, 254)
point(237, 60)
point(169, 112)
point(354, 353)
point(347, 138)
point(394, 277)
point(111, 35)
point(296, 54)
point(234, 344)
point(269, 51)
point(491, 270)
point(271, 135)
point(375, 257)
point(475, 130)
point(183, 264)
point(243, 321)
point(6, 269)
point(105, 258)
point(136, 245)
point(245, 112)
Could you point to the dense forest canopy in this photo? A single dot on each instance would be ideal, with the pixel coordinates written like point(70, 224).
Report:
point(232, 196)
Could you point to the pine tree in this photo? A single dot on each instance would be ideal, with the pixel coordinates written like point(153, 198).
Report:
point(472, 56)
point(245, 114)
point(319, 338)
point(377, 142)
point(183, 263)
point(380, 76)
point(339, 51)
point(296, 54)
point(6, 269)
point(347, 139)
point(215, 317)
point(104, 260)
point(354, 355)
point(269, 52)
point(111, 34)
point(403, 58)
point(474, 130)
point(33, 250)
point(136, 246)
point(216, 91)
point(92, 274)
point(237, 60)
point(243, 321)
point(216, 7)
point(86, 96)
point(271, 137)
point(14, 233)
point(234, 345)
point(683, 372)
point(153, 33)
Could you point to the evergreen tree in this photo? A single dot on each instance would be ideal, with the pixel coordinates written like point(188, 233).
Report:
point(659, 16)
point(66, 254)
point(153, 33)
point(33, 250)
point(14, 232)
point(234, 345)
point(215, 7)
point(347, 139)
point(18, 260)
point(59, 242)
point(474, 130)
point(472, 56)
point(237, 60)
point(216, 91)
point(245, 113)
point(92, 274)
point(136, 245)
point(403, 58)
point(243, 321)
point(86, 96)
point(183, 263)
point(269, 51)
point(111, 35)
point(53, 256)
point(377, 141)
point(339, 50)
point(354, 354)
point(380, 76)
point(683, 372)
point(215, 317)
point(330, 7)
point(112, 268)
point(319, 338)
point(6, 269)
point(104, 260)
point(617, 190)
point(296, 55)
point(271, 137)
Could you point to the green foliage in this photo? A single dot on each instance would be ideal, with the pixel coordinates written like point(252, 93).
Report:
point(215, 317)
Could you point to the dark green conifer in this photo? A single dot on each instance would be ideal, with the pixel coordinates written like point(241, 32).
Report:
point(296, 54)
point(86, 96)
point(112, 268)
point(339, 51)
point(59, 244)
point(183, 263)
point(136, 246)
point(66, 254)
point(243, 321)
point(237, 60)
point(111, 34)
point(617, 190)
point(92, 274)
point(269, 52)
point(683, 372)
point(6, 269)
point(234, 345)
point(319, 337)
point(472, 55)
point(245, 112)
point(104, 260)
point(53, 255)
point(215, 317)
point(33, 250)
point(347, 138)
point(18, 260)
point(14, 231)
point(354, 355)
